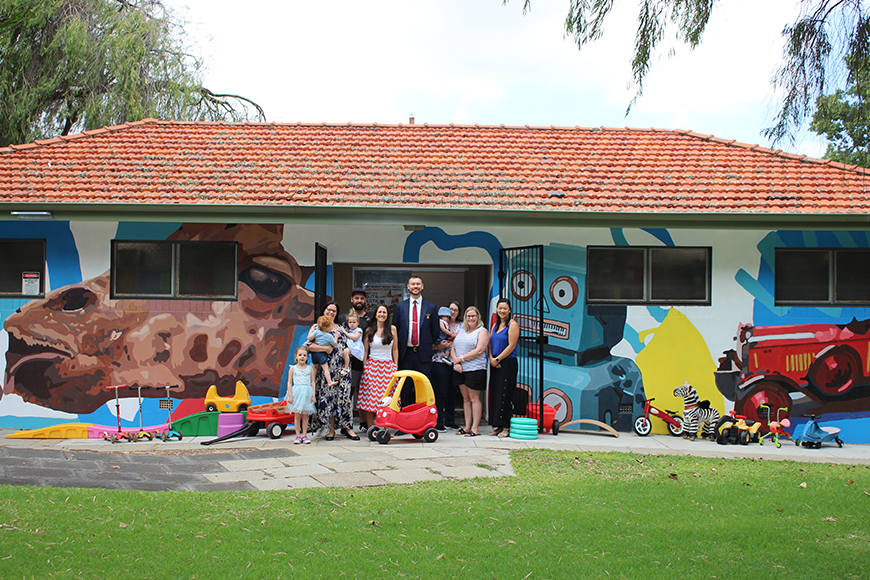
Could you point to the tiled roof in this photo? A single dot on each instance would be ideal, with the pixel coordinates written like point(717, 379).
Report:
point(422, 166)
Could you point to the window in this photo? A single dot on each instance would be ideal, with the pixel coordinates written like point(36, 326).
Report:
point(22, 268)
point(813, 277)
point(190, 270)
point(648, 275)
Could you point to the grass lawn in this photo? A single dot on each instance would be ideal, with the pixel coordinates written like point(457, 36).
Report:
point(565, 515)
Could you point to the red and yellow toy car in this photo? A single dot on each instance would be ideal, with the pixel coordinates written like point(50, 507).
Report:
point(418, 419)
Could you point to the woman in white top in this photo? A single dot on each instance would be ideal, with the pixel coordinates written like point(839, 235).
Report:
point(381, 356)
point(468, 354)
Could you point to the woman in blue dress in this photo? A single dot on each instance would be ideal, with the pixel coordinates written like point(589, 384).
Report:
point(503, 374)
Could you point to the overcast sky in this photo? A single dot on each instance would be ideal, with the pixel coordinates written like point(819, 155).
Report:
point(478, 61)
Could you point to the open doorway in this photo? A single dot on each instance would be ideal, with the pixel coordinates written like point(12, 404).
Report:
point(386, 283)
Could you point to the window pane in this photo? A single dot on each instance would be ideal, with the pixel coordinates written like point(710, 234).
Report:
point(802, 275)
point(143, 268)
point(679, 274)
point(853, 276)
point(615, 274)
point(18, 257)
point(207, 270)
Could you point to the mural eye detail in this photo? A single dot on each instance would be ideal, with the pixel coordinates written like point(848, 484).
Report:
point(564, 292)
point(267, 283)
point(523, 285)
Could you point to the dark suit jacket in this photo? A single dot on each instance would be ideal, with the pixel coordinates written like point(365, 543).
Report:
point(428, 330)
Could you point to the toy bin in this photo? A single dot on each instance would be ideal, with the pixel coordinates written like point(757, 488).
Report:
point(229, 423)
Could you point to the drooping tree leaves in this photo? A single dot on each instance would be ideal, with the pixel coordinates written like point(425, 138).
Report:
point(71, 65)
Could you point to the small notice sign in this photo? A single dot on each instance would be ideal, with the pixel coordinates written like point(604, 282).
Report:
point(30, 283)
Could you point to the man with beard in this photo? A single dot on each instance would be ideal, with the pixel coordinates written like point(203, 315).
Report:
point(358, 301)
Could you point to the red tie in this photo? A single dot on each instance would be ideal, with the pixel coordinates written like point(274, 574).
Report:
point(415, 339)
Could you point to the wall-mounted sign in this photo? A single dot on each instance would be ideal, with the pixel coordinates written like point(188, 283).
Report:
point(30, 283)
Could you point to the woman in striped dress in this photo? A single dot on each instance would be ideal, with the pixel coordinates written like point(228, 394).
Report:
point(382, 355)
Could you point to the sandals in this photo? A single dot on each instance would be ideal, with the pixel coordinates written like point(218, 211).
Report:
point(497, 431)
point(472, 434)
point(504, 434)
point(462, 432)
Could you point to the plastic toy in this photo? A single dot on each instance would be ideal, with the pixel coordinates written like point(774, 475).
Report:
point(167, 404)
point(696, 413)
point(121, 434)
point(142, 434)
point(235, 404)
point(734, 428)
point(272, 416)
point(550, 421)
point(643, 426)
point(775, 428)
point(418, 419)
point(813, 435)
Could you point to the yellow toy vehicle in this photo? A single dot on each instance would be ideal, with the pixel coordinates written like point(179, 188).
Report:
point(235, 404)
point(734, 428)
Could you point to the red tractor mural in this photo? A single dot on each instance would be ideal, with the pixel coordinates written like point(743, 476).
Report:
point(818, 368)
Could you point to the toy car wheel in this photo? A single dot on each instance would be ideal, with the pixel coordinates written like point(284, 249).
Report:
point(164, 437)
point(180, 436)
point(675, 430)
point(211, 407)
point(373, 434)
point(642, 425)
point(555, 426)
point(743, 437)
point(839, 442)
point(722, 439)
point(254, 432)
point(797, 442)
point(242, 407)
point(430, 435)
point(275, 430)
point(384, 436)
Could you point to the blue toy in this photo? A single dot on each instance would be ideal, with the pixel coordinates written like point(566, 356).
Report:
point(813, 436)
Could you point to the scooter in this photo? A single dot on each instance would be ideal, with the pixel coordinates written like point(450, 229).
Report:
point(142, 434)
point(167, 404)
point(813, 435)
point(120, 435)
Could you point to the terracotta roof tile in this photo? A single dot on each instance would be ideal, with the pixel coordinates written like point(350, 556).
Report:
point(571, 169)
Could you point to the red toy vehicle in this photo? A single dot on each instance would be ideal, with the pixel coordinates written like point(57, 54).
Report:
point(418, 419)
point(643, 426)
point(821, 367)
point(272, 416)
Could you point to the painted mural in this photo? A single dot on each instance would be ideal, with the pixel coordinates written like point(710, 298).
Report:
point(61, 351)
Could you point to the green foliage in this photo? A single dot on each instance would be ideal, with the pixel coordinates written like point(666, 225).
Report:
point(844, 117)
point(71, 65)
point(823, 34)
point(567, 514)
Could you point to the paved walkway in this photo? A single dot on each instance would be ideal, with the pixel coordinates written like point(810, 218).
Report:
point(265, 464)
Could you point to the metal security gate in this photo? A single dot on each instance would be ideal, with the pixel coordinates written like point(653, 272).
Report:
point(319, 280)
point(521, 274)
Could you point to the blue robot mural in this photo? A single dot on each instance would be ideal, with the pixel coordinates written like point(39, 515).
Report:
point(582, 379)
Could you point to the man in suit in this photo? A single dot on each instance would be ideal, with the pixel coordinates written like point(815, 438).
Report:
point(416, 322)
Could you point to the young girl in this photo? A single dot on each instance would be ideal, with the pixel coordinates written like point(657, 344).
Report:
point(354, 342)
point(300, 394)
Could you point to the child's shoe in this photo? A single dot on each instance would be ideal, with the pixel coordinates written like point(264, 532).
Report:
point(344, 372)
point(299, 441)
point(306, 441)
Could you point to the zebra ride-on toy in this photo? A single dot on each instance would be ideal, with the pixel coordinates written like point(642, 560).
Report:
point(696, 413)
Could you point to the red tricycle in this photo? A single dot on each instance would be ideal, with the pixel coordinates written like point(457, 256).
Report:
point(418, 419)
point(643, 426)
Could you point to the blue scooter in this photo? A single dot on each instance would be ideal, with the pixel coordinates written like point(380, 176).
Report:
point(813, 436)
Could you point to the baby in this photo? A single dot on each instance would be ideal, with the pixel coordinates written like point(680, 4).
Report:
point(443, 356)
point(321, 335)
point(354, 342)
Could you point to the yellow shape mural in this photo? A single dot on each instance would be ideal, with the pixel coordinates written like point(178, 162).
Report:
point(677, 353)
